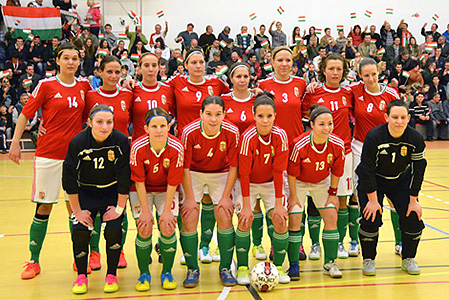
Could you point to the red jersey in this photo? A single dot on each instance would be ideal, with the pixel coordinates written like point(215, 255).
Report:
point(288, 95)
point(210, 154)
point(120, 101)
point(62, 110)
point(312, 163)
point(189, 96)
point(339, 102)
point(239, 112)
point(146, 98)
point(157, 170)
point(261, 157)
point(369, 108)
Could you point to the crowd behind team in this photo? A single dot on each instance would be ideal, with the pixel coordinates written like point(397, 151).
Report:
point(251, 142)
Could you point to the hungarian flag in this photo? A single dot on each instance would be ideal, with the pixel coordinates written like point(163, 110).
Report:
point(132, 15)
point(135, 56)
point(264, 43)
point(268, 67)
point(28, 82)
point(180, 59)
point(368, 13)
point(304, 51)
point(48, 74)
point(30, 37)
point(102, 52)
point(433, 44)
point(122, 36)
point(406, 74)
point(340, 27)
point(318, 31)
point(428, 48)
point(27, 30)
point(415, 15)
point(373, 41)
point(435, 17)
point(223, 44)
point(160, 14)
point(86, 25)
point(164, 78)
point(101, 35)
point(123, 56)
point(301, 18)
point(244, 34)
point(350, 78)
point(6, 73)
point(45, 21)
point(252, 16)
point(221, 70)
point(389, 11)
point(306, 66)
point(96, 5)
point(298, 39)
point(353, 15)
point(280, 10)
point(381, 51)
point(421, 57)
point(137, 21)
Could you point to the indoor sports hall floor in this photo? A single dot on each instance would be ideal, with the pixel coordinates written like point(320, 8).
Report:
point(56, 278)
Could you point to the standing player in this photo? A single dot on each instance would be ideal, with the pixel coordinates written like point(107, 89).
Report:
point(61, 98)
point(120, 102)
point(156, 168)
point(211, 161)
point(96, 177)
point(392, 165)
point(332, 71)
point(262, 160)
point(316, 164)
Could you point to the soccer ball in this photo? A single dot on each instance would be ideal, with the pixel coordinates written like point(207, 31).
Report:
point(264, 276)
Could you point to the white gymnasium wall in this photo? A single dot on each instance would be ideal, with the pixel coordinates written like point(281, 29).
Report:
point(218, 13)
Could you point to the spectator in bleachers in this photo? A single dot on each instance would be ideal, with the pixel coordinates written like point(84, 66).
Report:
point(224, 34)
point(437, 87)
point(429, 39)
point(405, 60)
point(51, 48)
point(429, 72)
point(207, 38)
point(118, 51)
point(387, 34)
point(374, 35)
point(86, 34)
point(8, 95)
point(438, 59)
point(296, 32)
point(265, 60)
point(36, 3)
point(7, 115)
point(433, 31)
point(160, 44)
point(185, 37)
point(135, 37)
point(227, 51)
point(446, 110)
point(324, 42)
point(444, 76)
point(2, 55)
point(414, 49)
point(438, 116)
point(349, 49)
point(95, 80)
point(17, 68)
point(13, 3)
point(125, 74)
point(103, 47)
point(93, 17)
point(109, 36)
point(127, 62)
point(297, 55)
point(214, 48)
point(311, 75)
point(356, 35)
point(86, 67)
point(158, 33)
point(254, 69)
point(415, 74)
point(279, 38)
point(173, 62)
point(317, 59)
point(64, 4)
point(19, 47)
point(90, 48)
point(354, 64)
point(259, 38)
point(384, 73)
point(193, 45)
point(37, 55)
point(420, 114)
point(212, 65)
point(403, 33)
point(32, 124)
point(30, 74)
point(309, 36)
point(244, 42)
point(138, 49)
point(425, 61)
point(327, 34)
point(398, 75)
point(341, 39)
point(367, 49)
point(312, 47)
point(446, 34)
point(444, 46)
point(393, 52)
point(5, 127)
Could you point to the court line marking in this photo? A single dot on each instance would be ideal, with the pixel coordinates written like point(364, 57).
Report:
point(378, 268)
point(436, 184)
point(224, 293)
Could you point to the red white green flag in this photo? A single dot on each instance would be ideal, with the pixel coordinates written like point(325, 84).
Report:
point(435, 17)
point(101, 36)
point(48, 74)
point(298, 39)
point(353, 15)
point(221, 70)
point(96, 5)
point(264, 43)
point(123, 56)
point(340, 27)
point(135, 56)
point(122, 36)
point(381, 51)
point(160, 14)
point(389, 11)
point(304, 51)
point(223, 43)
point(406, 74)
point(252, 16)
point(301, 18)
point(318, 31)
point(268, 67)
point(132, 15)
point(280, 10)
point(28, 82)
point(180, 59)
point(102, 52)
point(368, 13)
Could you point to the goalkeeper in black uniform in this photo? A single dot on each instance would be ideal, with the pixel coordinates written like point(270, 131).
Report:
point(392, 165)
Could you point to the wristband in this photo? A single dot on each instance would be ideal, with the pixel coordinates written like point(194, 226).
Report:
point(119, 209)
point(332, 191)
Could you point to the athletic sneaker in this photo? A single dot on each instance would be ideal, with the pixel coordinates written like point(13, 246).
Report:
point(89, 270)
point(398, 249)
point(204, 255)
point(182, 260)
point(226, 277)
point(80, 285)
point(369, 267)
point(243, 276)
point(31, 270)
point(110, 284)
point(332, 270)
point(158, 251)
point(122, 263)
point(342, 253)
point(192, 278)
point(95, 260)
point(354, 249)
point(167, 281)
point(283, 278)
point(216, 256)
point(302, 253)
point(271, 253)
point(315, 252)
point(143, 282)
point(411, 266)
point(293, 271)
point(259, 252)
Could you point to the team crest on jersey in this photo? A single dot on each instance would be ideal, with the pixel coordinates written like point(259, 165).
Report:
point(123, 105)
point(164, 99)
point(257, 152)
point(210, 90)
point(137, 209)
point(238, 207)
point(41, 195)
point(82, 94)
point(111, 155)
point(296, 91)
point(343, 99)
point(329, 158)
point(272, 151)
point(382, 105)
point(222, 146)
point(166, 162)
point(403, 151)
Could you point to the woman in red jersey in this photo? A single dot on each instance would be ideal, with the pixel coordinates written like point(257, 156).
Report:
point(61, 98)
point(262, 160)
point(157, 169)
point(316, 164)
point(120, 101)
point(211, 160)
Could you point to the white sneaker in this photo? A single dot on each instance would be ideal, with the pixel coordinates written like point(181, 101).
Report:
point(216, 256)
point(354, 249)
point(332, 270)
point(342, 253)
point(283, 278)
point(182, 260)
point(369, 267)
point(398, 249)
point(259, 252)
point(410, 266)
point(204, 255)
point(315, 252)
point(243, 276)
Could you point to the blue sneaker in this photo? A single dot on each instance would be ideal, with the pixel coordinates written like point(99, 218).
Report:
point(192, 278)
point(167, 281)
point(293, 271)
point(143, 283)
point(226, 278)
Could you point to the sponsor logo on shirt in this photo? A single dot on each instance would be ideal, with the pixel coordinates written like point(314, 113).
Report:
point(147, 162)
point(229, 111)
point(361, 98)
point(197, 146)
point(320, 100)
point(138, 99)
point(87, 158)
point(307, 160)
point(185, 89)
point(58, 95)
point(384, 152)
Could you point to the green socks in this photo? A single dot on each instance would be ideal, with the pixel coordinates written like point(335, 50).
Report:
point(280, 246)
point(242, 243)
point(226, 242)
point(342, 222)
point(95, 235)
point(330, 243)
point(257, 228)
point(294, 243)
point(38, 230)
point(270, 227)
point(143, 253)
point(396, 227)
point(167, 246)
point(207, 224)
point(189, 243)
point(314, 228)
point(354, 214)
